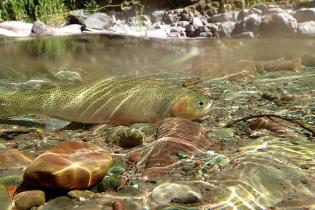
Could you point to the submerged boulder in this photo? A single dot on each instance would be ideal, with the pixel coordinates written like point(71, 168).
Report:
point(174, 135)
point(69, 166)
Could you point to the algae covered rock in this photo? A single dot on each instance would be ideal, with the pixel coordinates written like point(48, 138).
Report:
point(125, 137)
point(70, 165)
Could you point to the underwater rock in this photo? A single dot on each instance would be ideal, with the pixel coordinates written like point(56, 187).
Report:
point(265, 123)
point(134, 158)
point(81, 195)
point(125, 137)
point(5, 200)
point(174, 135)
point(174, 193)
point(68, 75)
point(13, 158)
point(28, 199)
point(294, 64)
point(109, 182)
point(61, 202)
point(119, 205)
point(116, 170)
point(11, 180)
point(69, 165)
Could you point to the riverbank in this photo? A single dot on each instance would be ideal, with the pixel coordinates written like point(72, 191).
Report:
point(263, 20)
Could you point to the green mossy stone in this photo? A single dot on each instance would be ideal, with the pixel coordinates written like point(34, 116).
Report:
point(109, 182)
point(5, 200)
point(11, 180)
point(116, 170)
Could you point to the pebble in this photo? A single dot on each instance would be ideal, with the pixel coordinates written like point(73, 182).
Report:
point(81, 195)
point(134, 158)
point(61, 202)
point(116, 170)
point(29, 199)
point(109, 182)
point(174, 193)
point(125, 137)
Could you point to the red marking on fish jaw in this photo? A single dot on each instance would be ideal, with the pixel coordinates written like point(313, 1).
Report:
point(179, 107)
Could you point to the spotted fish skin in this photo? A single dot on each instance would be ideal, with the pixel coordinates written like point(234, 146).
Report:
point(121, 100)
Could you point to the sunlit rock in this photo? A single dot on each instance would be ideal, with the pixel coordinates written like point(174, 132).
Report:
point(307, 28)
point(29, 199)
point(174, 193)
point(250, 23)
point(98, 21)
point(70, 165)
point(226, 29)
point(174, 135)
point(15, 28)
point(305, 15)
point(278, 24)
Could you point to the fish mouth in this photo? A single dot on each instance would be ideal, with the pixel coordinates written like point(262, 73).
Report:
point(206, 110)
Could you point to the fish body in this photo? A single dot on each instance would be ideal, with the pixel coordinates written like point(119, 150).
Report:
point(119, 100)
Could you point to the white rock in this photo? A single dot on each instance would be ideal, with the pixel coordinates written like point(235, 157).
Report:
point(307, 28)
point(196, 22)
point(226, 29)
point(305, 14)
point(228, 16)
point(15, 28)
point(158, 33)
point(69, 30)
point(170, 192)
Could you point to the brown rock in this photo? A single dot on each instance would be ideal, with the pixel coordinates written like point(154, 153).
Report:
point(134, 158)
point(174, 135)
point(268, 124)
point(13, 158)
point(29, 199)
point(69, 166)
point(119, 205)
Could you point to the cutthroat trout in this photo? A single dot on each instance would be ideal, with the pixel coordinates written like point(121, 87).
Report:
point(118, 100)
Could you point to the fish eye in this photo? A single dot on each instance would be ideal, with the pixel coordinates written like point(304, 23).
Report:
point(200, 103)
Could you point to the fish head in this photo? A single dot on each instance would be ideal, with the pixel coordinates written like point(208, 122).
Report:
point(192, 105)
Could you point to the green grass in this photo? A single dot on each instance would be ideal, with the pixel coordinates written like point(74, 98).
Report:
point(53, 12)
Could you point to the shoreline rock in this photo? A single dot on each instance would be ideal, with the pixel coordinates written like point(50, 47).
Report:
point(181, 23)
